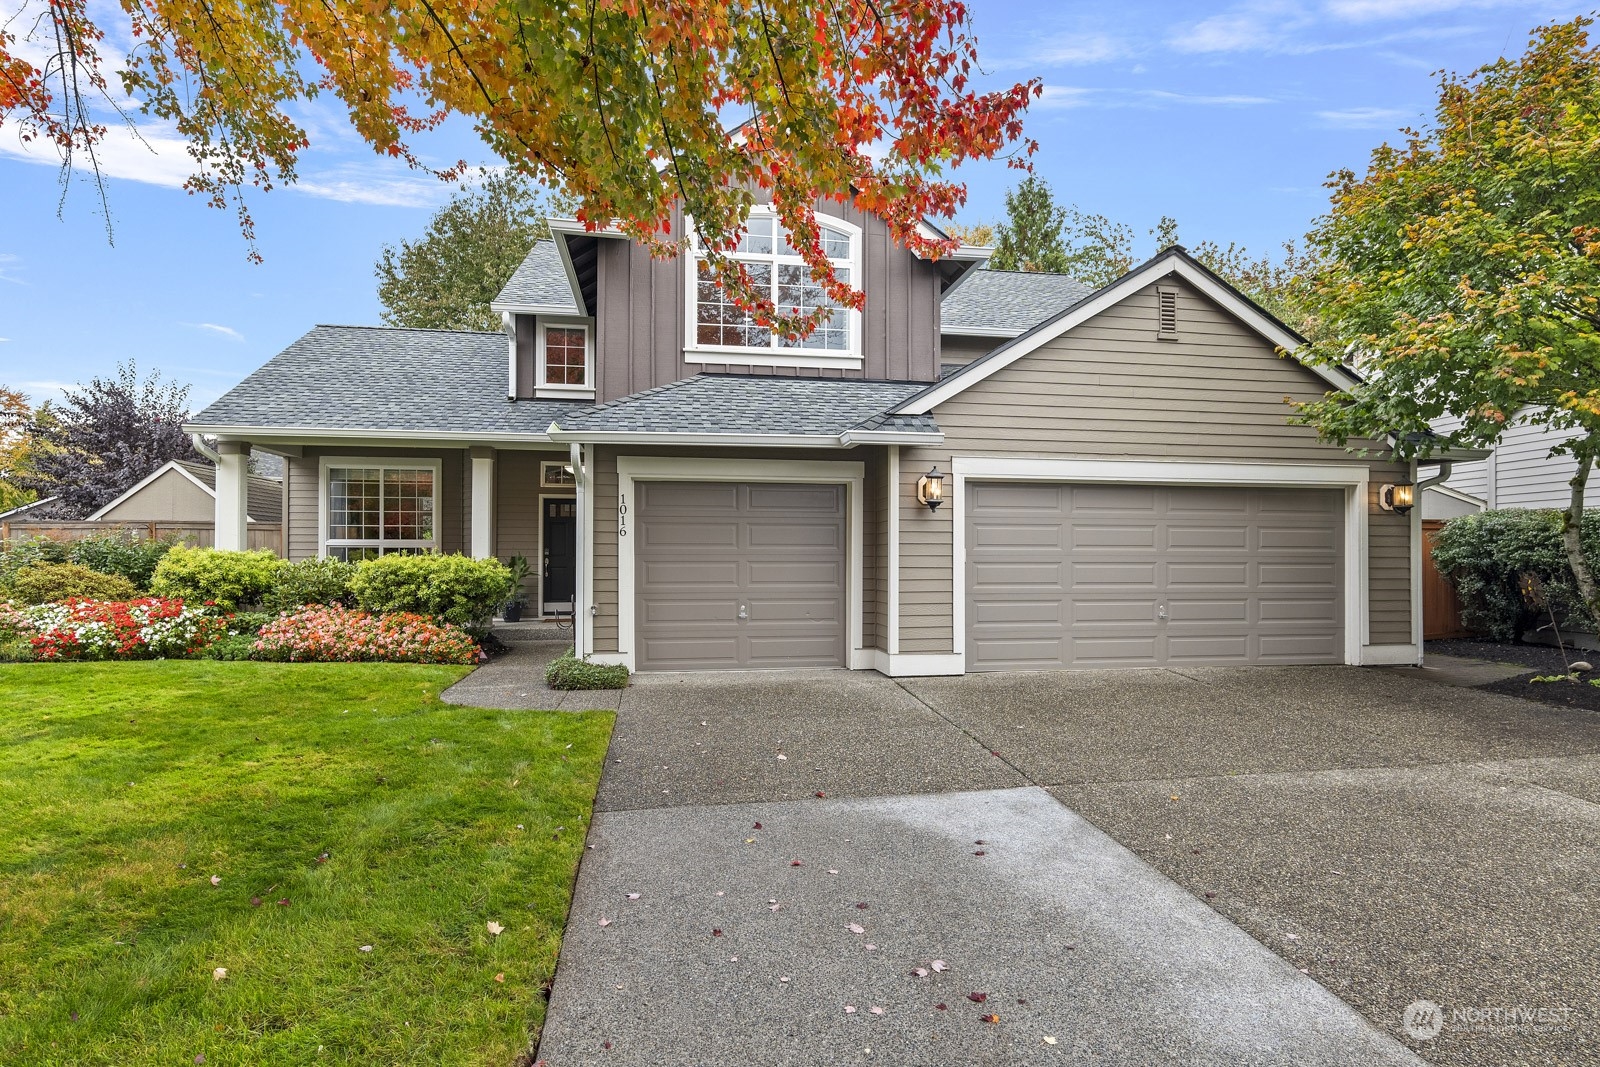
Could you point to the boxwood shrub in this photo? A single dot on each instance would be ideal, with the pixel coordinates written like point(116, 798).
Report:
point(570, 673)
point(455, 589)
point(1485, 556)
point(228, 579)
point(312, 581)
point(47, 583)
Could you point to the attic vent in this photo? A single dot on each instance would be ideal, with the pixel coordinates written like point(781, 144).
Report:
point(1167, 314)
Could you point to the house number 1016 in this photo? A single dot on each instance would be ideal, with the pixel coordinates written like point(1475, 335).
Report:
point(622, 515)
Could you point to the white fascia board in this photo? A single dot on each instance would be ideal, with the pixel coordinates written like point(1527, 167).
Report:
point(578, 229)
point(169, 465)
point(535, 309)
point(1108, 297)
point(634, 437)
point(1158, 472)
point(232, 432)
point(851, 438)
point(980, 331)
point(1465, 498)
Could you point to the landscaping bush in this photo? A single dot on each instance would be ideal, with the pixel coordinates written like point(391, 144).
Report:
point(250, 622)
point(235, 646)
point(1485, 556)
point(569, 672)
point(455, 589)
point(47, 583)
point(227, 579)
point(119, 552)
point(312, 581)
point(25, 552)
point(333, 634)
point(148, 628)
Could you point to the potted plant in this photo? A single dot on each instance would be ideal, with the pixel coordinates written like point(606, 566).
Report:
point(519, 574)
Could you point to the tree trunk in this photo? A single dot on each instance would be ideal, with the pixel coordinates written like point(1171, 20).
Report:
point(1572, 530)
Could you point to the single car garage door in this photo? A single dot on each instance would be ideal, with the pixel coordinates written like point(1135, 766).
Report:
point(1146, 575)
point(737, 575)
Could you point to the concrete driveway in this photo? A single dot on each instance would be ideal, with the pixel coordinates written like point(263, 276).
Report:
point(1224, 849)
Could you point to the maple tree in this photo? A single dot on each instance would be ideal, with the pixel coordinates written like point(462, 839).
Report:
point(621, 104)
point(1463, 270)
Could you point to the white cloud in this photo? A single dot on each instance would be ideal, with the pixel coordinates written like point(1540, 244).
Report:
point(1371, 10)
point(1060, 97)
point(1074, 49)
point(8, 263)
point(1366, 118)
point(1225, 100)
point(39, 392)
point(1240, 31)
point(226, 331)
point(1057, 97)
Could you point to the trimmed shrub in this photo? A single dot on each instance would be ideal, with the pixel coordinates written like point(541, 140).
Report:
point(150, 628)
point(119, 552)
point(249, 622)
point(312, 581)
point(48, 583)
point(455, 589)
point(232, 648)
point(25, 552)
point(570, 673)
point(227, 579)
point(1485, 556)
point(332, 634)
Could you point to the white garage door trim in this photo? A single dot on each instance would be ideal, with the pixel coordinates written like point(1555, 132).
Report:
point(672, 469)
point(1353, 479)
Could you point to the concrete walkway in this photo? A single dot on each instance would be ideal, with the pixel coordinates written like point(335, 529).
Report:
point(1394, 839)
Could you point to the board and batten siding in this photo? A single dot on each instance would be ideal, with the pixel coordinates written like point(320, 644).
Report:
point(604, 483)
point(303, 538)
point(1108, 389)
point(640, 323)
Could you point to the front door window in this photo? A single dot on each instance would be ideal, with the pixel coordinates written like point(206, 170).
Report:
point(560, 564)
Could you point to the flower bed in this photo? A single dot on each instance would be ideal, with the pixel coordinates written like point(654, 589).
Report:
point(147, 628)
point(334, 634)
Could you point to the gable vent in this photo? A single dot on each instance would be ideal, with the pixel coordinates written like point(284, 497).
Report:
point(1167, 314)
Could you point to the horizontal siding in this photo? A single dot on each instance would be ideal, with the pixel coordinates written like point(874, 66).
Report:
point(1526, 475)
point(1471, 478)
point(954, 348)
point(1109, 389)
point(305, 483)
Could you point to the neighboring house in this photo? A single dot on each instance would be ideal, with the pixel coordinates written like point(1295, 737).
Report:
point(1120, 485)
point(1519, 473)
point(34, 509)
point(184, 491)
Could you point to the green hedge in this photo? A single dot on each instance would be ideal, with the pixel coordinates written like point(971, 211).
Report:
point(312, 581)
point(454, 589)
point(228, 579)
point(1485, 556)
point(569, 672)
point(47, 583)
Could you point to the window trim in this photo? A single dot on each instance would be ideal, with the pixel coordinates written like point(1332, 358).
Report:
point(562, 464)
point(563, 322)
point(328, 463)
point(852, 356)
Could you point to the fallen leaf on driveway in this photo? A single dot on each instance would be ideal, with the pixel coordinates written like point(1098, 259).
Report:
point(871, 948)
point(857, 928)
point(1049, 1040)
point(1291, 937)
point(980, 852)
point(794, 863)
point(977, 998)
point(990, 1019)
point(876, 1011)
point(832, 871)
point(774, 907)
point(939, 965)
point(849, 1009)
point(782, 756)
point(716, 933)
point(756, 827)
point(919, 972)
point(941, 1007)
point(604, 921)
point(495, 928)
point(633, 896)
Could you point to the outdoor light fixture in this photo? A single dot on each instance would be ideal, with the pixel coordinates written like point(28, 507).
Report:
point(930, 489)
point(1397, 498)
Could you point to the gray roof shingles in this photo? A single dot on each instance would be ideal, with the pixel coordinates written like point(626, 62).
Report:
point(347, 378)
point(540, 281)
point(264, 496)
point(1005, 301)
point(753, 404)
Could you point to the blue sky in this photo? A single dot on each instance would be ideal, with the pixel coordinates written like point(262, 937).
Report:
point(1227, 116)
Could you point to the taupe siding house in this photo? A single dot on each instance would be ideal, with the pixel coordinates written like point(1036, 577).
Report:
point(981, 471)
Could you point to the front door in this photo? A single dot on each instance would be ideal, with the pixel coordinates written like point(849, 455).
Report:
point(560, 552)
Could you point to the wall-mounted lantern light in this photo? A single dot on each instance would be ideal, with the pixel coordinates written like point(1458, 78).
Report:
point(1397, 498)
point(930, 489)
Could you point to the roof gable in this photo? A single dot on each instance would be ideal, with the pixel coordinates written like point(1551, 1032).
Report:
point(539, 285)
point(1174, 262)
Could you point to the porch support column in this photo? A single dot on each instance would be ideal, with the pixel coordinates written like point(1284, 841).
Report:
point(231, 529)
point(582, 622)
point(482, 503)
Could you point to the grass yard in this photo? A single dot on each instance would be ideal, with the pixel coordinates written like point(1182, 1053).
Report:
point(341, 805)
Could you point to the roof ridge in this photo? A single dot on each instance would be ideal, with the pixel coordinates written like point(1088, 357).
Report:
point(405, 329)
point(1034, 273)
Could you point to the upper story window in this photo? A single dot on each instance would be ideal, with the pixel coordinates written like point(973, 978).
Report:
point(717, 325)
point(564, 359)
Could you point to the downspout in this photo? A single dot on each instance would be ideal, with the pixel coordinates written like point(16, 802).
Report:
point(204, 449)
point(1442, 476)
point(580, 601)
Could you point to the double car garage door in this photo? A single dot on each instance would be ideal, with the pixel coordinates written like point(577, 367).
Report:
point(751, 575)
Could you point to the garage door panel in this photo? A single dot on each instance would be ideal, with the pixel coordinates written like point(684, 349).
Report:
point(1001, 495)
point(1245, 575)
point(779, 553)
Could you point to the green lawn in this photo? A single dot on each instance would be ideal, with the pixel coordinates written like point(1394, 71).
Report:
point(125, 787)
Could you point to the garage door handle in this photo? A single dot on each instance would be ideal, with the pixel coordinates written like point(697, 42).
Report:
point(744, 611)
point(1161, 611)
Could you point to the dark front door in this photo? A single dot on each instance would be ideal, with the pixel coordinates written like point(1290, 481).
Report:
point(560, 551)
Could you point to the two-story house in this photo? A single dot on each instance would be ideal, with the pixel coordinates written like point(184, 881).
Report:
point(981, 471)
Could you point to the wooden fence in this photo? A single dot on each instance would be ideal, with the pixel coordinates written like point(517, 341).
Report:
point(1441, 608)
point(201, 534)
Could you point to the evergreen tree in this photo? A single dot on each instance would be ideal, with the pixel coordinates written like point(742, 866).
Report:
point(1030, 238)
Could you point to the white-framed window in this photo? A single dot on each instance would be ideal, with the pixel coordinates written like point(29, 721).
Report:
point(717, 327)
point(565, 358)
point(556, 474)
point(371, 507)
